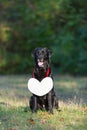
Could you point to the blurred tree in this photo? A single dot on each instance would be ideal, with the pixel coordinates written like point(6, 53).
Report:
point(60, 25)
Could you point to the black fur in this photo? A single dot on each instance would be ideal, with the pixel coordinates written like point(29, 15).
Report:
point(42, 63)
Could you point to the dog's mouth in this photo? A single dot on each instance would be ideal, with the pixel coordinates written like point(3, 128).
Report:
point(40, 63)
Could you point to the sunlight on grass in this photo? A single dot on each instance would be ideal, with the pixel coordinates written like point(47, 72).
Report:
point(14, 91)
point(67, 84)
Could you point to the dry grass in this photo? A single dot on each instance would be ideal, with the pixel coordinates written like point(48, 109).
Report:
point(14, 98)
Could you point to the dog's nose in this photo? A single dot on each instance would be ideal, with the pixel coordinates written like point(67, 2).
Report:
point(40, 60)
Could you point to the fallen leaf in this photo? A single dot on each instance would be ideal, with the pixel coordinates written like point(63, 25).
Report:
point(11, 129)
point(31, 121)
point(84, 109)
point(62, 119)
point(43, 121)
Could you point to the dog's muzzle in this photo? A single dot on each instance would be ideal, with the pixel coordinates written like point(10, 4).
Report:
point(40, 62)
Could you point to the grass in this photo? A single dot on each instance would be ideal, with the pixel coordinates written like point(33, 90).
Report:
point(14, 98)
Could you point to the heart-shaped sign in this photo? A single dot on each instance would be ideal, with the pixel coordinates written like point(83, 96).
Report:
point(40, 88)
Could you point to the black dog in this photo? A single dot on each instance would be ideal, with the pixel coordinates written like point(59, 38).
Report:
point(42, 70)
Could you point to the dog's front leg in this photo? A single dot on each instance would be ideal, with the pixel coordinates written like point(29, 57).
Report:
point(50, 107)
point(35, 104)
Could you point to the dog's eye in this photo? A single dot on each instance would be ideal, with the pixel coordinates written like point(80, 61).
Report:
point(37, 53)
point(42, 52)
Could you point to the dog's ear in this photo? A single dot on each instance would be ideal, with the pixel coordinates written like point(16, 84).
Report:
point(50, 53)
point(33, 53)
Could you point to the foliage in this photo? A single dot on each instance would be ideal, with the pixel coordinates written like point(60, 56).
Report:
point(60, 25)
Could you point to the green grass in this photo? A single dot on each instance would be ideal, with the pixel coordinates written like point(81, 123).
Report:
point(14, 99)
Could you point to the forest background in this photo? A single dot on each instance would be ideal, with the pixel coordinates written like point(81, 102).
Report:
point(60, 25)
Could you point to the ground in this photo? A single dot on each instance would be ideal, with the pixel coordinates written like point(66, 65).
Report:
point(14, 100)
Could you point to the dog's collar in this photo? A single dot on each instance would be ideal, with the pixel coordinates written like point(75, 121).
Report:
point(48, 72)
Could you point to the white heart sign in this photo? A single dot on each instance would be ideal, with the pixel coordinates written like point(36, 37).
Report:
point(40, 88)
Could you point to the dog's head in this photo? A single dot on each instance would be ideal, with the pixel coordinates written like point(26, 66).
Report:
point(42, 57)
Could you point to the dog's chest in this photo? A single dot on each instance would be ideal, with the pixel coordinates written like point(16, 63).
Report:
point(40, 74)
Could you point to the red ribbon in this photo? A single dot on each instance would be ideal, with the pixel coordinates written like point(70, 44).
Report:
point(47, 72)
